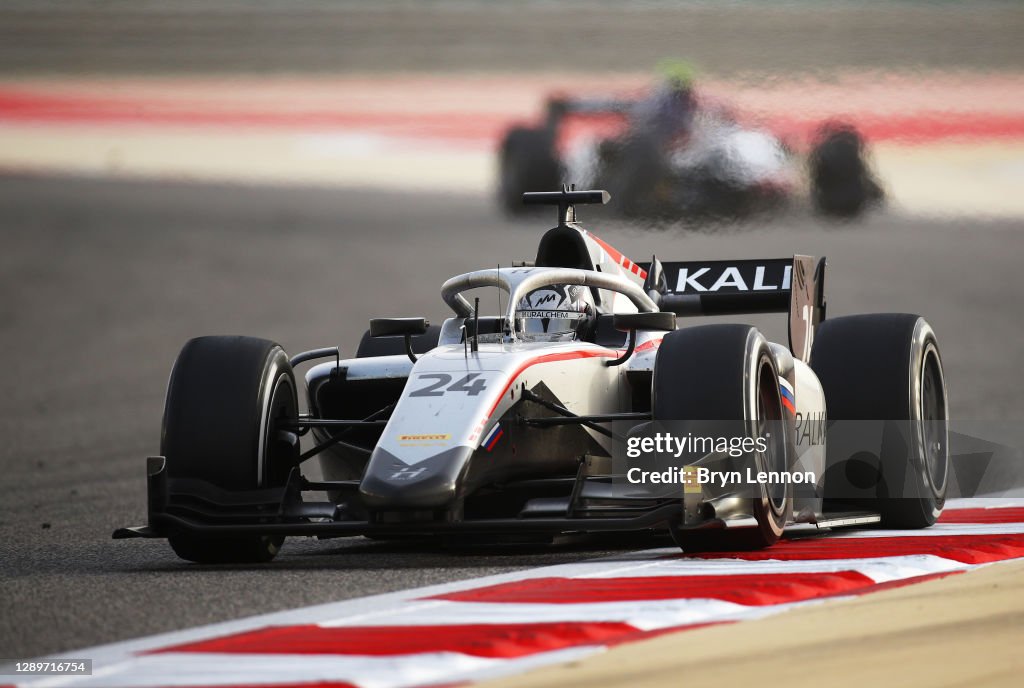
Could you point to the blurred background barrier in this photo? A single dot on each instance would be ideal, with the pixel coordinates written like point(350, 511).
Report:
point(418, 95)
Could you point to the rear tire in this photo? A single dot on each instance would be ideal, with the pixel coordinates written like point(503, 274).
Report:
point(223, 396)
point(527, 162)
point(885, 367)
point(726, 373)
point(841, 183)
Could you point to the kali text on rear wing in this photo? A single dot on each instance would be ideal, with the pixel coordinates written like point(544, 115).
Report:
point(728, 287)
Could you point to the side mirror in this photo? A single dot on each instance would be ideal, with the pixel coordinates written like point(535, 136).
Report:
point(392, 327)
point(400, 327)
point(661, 321)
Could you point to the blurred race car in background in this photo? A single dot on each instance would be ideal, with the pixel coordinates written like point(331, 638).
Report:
point(670, 153)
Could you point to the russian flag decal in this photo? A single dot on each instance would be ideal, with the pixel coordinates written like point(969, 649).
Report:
point(788, 398)
point(493, 436)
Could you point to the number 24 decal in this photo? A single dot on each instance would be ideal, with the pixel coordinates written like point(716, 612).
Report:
point(470, 384)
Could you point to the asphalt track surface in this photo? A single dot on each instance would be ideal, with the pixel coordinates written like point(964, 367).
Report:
point(103, 281)
point(464, 35)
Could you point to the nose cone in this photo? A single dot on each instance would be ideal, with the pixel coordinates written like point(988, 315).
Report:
point(431, 483)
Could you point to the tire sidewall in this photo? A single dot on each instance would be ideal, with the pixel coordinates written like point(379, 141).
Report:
point(931, 489)
point(685, 369)
point(218, 428)
point(872, 368)
point(277, 379)
point(771, 514)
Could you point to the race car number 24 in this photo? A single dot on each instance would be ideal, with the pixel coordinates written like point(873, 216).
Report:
point(443, 383)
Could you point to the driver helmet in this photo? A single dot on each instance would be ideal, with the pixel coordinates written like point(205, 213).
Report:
point(561, 312)
point(676, 75)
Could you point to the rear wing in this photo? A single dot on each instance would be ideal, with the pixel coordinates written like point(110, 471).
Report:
point(592, 106)
point(559, 107)
point(729, 287)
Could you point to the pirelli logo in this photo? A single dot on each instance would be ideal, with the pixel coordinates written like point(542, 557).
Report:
point(423, 439)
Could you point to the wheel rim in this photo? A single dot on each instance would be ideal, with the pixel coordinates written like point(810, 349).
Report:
point(769, 417)
point(279, 453)
point(932, 411)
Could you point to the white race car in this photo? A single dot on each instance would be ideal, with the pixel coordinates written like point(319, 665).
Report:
point(565, 412)
point(704, 163)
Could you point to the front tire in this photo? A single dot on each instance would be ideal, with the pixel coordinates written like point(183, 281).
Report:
point(886, 369)
point(726, 373)
point(223, 398)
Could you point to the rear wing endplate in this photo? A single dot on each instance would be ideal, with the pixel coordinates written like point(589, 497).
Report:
point(730, 287)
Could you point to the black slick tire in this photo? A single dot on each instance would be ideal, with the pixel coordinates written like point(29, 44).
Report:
point(885, 372)
point(727, 374)
point(222, 399)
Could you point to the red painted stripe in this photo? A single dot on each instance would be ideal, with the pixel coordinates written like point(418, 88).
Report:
point(997, 515)
point(747, 589)
point(500, 641)
point(923, 127)
point(630, 636)
point(548, 358)
point(968, 549)
point(61, 109)
point(916, 128)
point(788, 404)
point(20, 105)
point(614, 253)
point(646, 346)
point(904, 582)
point(313, 684)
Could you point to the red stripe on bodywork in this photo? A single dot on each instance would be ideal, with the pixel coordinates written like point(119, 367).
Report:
point(548, 358)
point(499, 641)
point(615, 255)
point(747, 589)
point(967, 549)
point(996, 515)
point(646, 346)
